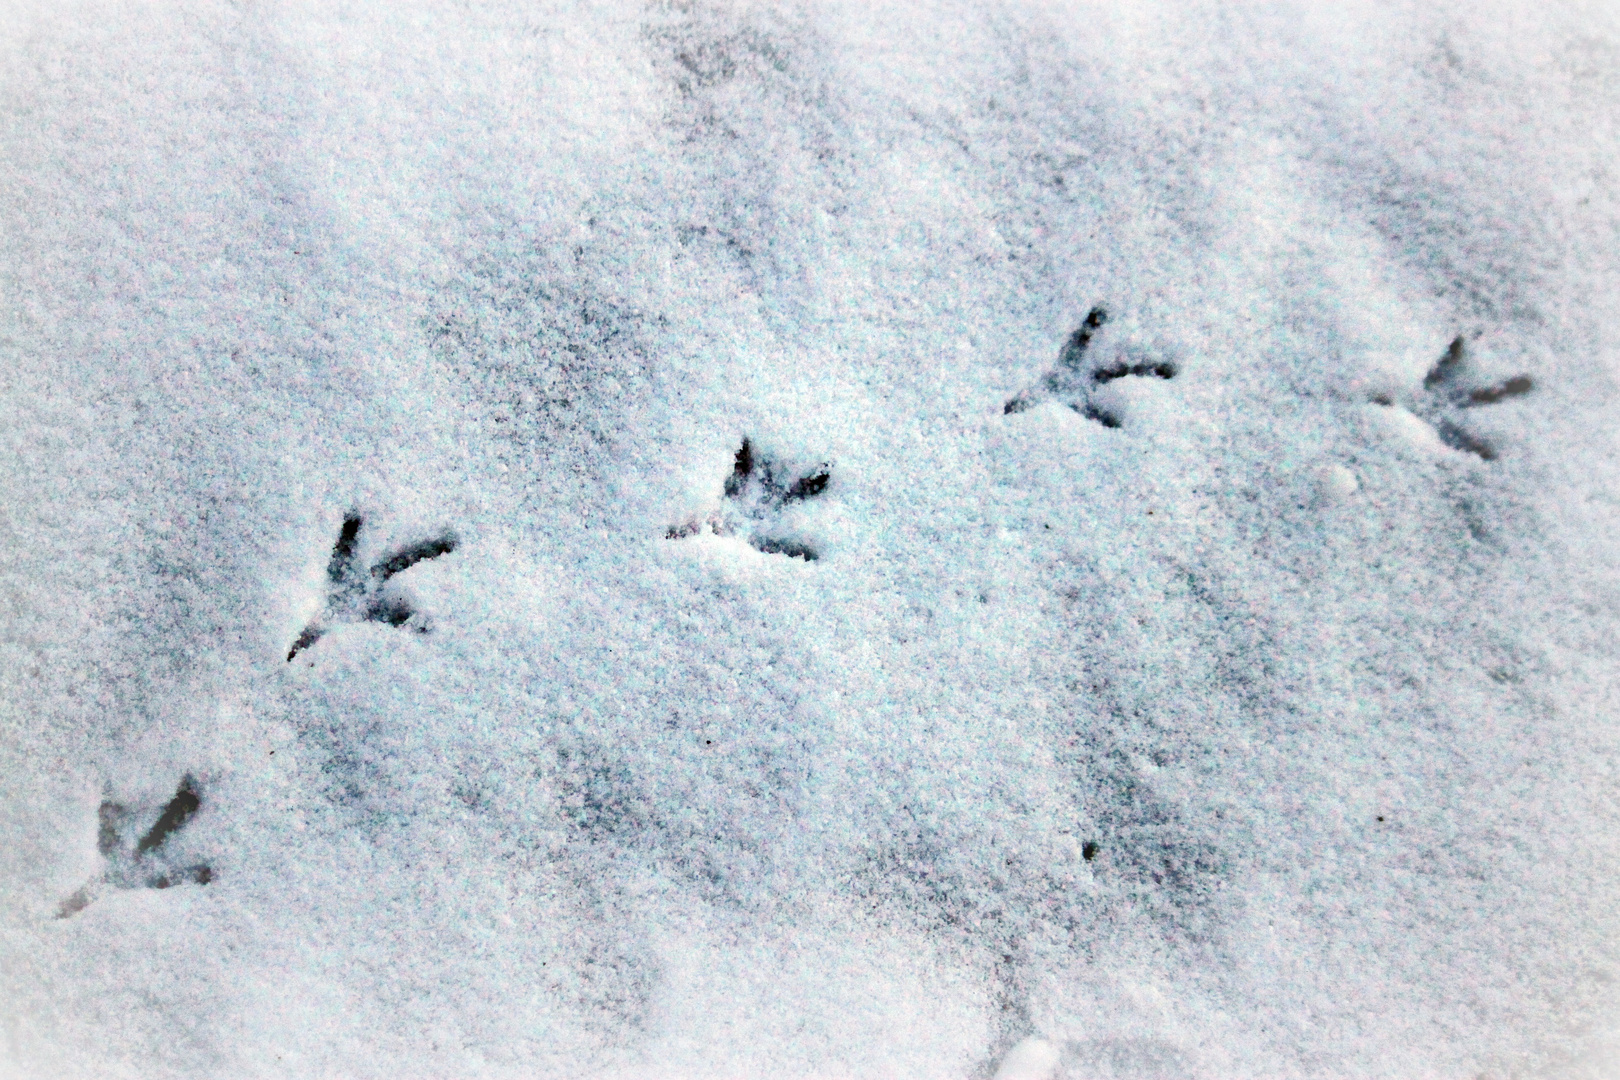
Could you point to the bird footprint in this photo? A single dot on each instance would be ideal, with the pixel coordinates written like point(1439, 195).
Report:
point(1447, 393)
point(1074, 382)
point(356, 595)
point(144, 862)
point(757, 497)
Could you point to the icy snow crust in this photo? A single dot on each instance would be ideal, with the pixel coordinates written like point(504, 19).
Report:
point(1253, 720)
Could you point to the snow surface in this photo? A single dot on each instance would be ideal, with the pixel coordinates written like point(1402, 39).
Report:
point(1253, 720)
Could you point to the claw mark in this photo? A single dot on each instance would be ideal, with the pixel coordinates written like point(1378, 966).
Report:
point(1079, 341)
point(110, 816)
point(1122, 369)
point(1069, 380)
point(1446, 368)
point(343, 551)
point(409, 557)
point(791, 548)
point(185, 803)
point(756, 496)
point(1103, 417)
point(199, 875)
point(1459, 439)
point(1518, 386)
point(806, 487)
point(141, 864)
point(74, 904)
point(742, 470)
point(353, 596)
point(309, 636)
point(1447, 396)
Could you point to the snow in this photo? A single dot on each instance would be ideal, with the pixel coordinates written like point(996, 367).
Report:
point(745, 630)
point(1032, 1059)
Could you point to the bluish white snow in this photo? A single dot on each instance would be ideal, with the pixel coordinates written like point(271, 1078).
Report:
point(691, 539)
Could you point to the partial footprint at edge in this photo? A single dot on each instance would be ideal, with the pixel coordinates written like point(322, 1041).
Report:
point(1074, 380)
point(143, 862)
point(355, 596)
point(757, 497)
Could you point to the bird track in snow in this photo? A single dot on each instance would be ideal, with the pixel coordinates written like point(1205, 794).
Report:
point(353, 595)
point(141, 860)
point(1447, 395)
point(1073, 380)
point(757, 497)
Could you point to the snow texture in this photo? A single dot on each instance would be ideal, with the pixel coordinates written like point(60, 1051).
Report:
point(827, 540)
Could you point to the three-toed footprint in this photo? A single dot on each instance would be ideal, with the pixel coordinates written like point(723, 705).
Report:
point(758, 496)
point(357, 595)
point(137, 859)
point(1076, 378)
point(1448, 393)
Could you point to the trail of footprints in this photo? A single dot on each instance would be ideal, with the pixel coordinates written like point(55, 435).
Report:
point(758, 494)
point(354, 594)
point(1447, 390)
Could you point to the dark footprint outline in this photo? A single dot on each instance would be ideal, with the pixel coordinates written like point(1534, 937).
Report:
point(1448, 394)
point(140, 865)
point(352, 596)
point(757, 496)
point(1069, 382)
